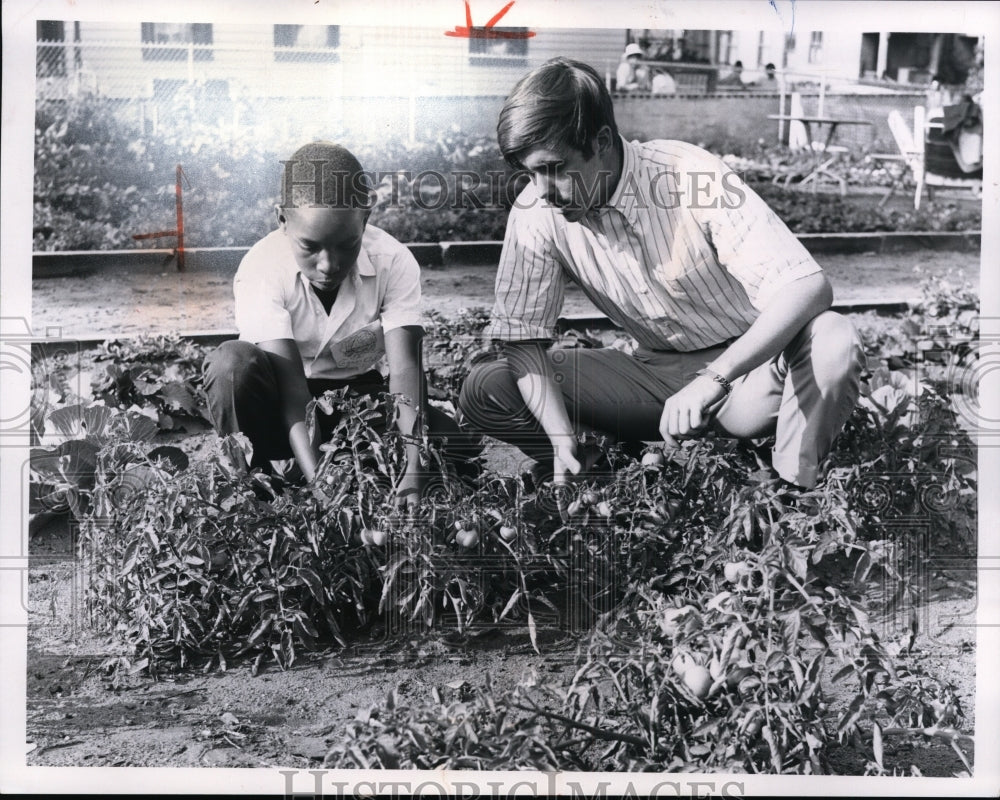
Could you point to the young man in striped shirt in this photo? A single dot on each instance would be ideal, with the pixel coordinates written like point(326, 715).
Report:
point(729, 311)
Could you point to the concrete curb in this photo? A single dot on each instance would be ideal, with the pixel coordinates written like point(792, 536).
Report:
point(225, 260)
point(890, 241)
point(575, 322)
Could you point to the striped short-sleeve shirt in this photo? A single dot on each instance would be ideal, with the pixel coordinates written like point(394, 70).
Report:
point(683, 256)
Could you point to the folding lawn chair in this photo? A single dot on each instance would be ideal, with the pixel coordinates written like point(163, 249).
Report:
point(940, 167)
point(926, 154)
point(909, 158)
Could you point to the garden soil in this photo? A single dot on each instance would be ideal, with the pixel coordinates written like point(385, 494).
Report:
point(75, 717)
point(170, 301)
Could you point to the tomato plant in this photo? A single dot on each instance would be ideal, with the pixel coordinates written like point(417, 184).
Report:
point(716, 609)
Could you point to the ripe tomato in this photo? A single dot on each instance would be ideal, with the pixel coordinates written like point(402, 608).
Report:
point(697, 679)
point(467, 538)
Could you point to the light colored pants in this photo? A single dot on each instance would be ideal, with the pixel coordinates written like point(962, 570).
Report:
point(803, 396)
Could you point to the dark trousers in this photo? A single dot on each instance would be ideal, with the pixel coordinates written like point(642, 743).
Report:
point(803, 396)
point(244, 396)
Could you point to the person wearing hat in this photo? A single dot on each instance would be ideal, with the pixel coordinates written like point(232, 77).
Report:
point(632, 76)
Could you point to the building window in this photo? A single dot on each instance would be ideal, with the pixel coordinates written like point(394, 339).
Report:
point(50, 56)
point(47, 30)
point(306, 42)
point(500, 52)
point(724, 47)
point(212, 92)
point(816, 47)
point(165, 34)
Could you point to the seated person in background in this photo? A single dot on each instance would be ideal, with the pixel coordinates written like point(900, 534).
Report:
point(319, 302)
point(664, 83)
point(632, 76)
point(734, 79)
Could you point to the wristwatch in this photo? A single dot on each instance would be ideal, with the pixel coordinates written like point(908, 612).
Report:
point(719, 379)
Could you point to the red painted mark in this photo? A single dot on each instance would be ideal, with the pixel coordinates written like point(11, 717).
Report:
point(180, 220)
point(487, 31)
point(179, 230)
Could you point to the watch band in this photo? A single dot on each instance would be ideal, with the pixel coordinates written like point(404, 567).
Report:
point(719, 379)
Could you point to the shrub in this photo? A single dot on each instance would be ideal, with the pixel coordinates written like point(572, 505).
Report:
point(99, 181)
point(160, 375)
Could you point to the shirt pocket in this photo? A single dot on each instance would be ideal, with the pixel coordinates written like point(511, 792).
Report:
point(360, 349)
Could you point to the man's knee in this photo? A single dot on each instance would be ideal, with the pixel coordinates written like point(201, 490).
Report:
point(835, 347)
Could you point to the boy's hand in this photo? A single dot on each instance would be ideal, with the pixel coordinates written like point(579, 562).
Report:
point(564, 460)
point(410, 490)
point(570, 457)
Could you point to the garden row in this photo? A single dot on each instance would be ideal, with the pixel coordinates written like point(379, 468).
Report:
point(98, 182)
point(716, 612)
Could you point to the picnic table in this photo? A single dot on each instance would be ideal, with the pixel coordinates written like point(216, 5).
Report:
point(823, 161)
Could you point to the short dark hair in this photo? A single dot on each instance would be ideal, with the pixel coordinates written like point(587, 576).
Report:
point(561, 103)
point(340, 183)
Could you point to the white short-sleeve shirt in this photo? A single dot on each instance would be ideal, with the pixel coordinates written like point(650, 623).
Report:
point(275, 301)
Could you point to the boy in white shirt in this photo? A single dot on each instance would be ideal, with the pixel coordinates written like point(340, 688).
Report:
point(319, 303)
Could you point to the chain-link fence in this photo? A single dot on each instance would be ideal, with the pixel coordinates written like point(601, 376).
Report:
point(296, 80)
point(119, 107)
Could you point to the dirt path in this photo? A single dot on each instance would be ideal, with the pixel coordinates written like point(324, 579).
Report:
point(187, 302)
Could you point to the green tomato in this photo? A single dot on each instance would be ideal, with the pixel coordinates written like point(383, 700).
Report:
point(653, 460)
point(670, 623)
point(372, 537)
